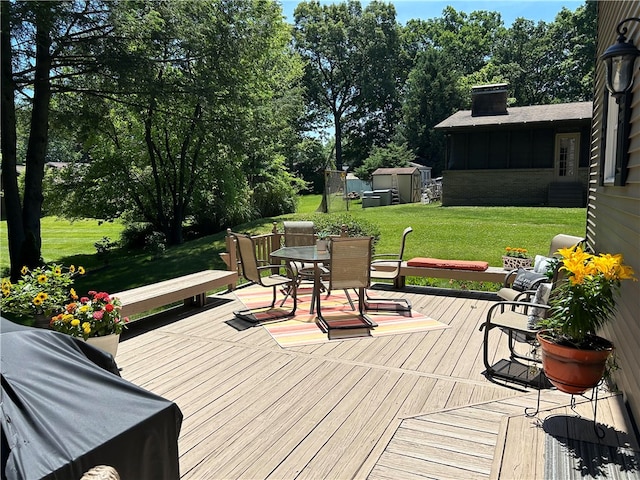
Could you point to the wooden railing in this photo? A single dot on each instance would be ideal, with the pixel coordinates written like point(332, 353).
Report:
point(265, 244)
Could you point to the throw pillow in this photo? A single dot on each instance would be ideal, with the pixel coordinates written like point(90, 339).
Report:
point(541, 264)
point(527, 280)
point(540, 298)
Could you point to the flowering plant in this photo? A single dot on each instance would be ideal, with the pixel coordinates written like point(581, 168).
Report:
point(93, 316)
point(585, 299)
point(41, 291)
point(516, 252)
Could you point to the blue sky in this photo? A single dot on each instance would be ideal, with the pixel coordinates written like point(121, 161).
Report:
point(509, 9)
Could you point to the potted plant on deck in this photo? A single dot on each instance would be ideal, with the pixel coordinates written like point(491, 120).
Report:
point(573, 355)
point(95, 319)
point(515, 258)
point(38, 294)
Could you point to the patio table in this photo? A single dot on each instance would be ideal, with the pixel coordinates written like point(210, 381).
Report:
point(306, 254)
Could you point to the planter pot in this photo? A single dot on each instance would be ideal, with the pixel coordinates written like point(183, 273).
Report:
point(321, 245)
point(572, 370)
point(513, 263)
point(108, 343)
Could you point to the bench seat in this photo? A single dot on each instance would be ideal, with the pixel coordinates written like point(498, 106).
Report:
point(192, 289)
point(491, 274)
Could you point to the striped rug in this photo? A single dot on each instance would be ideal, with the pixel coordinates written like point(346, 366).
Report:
point(301, 329)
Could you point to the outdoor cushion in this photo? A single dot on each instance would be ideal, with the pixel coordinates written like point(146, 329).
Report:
point(450, 264)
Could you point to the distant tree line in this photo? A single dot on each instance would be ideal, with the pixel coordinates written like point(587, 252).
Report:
point(202, 115)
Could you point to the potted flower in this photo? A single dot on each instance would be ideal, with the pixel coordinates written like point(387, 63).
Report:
point(38, 294)
point(515, 258)
point(573, 355)
point(322, 241)
point(95, 319)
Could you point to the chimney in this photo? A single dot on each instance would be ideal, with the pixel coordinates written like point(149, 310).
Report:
point(489, 100)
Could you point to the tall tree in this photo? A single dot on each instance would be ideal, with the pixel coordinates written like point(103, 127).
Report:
point(431, 96)
point(351, 72)
point(200, 116)
point(38, 42)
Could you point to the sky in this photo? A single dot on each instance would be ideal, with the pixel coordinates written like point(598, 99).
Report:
point(535, 10)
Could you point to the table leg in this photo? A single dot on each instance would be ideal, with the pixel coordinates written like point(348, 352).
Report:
point(316, 287)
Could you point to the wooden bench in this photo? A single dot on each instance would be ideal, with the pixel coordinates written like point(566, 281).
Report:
point(491, 274)
point(192, 289)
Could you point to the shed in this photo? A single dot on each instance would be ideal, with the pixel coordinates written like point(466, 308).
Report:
point(407, 181)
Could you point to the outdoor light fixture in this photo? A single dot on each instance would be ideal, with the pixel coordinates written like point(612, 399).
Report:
point(619, 60)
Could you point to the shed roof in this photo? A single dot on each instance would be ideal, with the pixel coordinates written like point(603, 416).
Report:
point(398, 171)
point(519, 115)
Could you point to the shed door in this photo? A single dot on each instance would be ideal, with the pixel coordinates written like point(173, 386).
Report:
point(567, 156)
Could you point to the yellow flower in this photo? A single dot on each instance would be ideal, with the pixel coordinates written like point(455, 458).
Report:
point(24, 270)
point(73, 294)
point(43, 296)
point(67, 317)
point(86, 328)
point(84, 308)
point(42, 279)
point(72, 268)
point(6, 287)
point(57, 271)
point(81, 270)
point(75, 322)
point(37, 301)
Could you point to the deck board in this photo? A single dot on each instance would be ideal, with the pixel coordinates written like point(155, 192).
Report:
point(411, 406)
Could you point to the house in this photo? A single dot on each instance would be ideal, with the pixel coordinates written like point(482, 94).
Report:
point(613, 211)
point(526, 156)
point(407, 181)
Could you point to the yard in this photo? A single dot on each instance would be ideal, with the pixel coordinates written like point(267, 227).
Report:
point(465, 233)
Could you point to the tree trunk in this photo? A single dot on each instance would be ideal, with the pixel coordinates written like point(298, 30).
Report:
point(338, 133)
point(12, 206)
point(38, 137)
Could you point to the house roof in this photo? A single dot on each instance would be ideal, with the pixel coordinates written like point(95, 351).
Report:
point(398, 171)
point(520, 115)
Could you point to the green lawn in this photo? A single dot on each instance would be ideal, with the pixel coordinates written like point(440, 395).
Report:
point(468, 233)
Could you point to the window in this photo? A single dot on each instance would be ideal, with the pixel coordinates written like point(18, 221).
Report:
point(609, 141)
point(615, 140)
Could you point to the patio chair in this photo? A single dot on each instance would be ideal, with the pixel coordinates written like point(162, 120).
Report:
point(512, 291)
point(519, 321)
point(253, 272)
point(386, 266)
point(350, 264)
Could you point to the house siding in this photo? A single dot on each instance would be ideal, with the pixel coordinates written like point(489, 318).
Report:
point(613, 213)
point(501, 187)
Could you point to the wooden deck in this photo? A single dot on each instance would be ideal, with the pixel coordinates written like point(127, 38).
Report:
point(410, 406)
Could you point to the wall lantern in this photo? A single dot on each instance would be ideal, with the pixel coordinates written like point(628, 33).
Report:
point(619, 60)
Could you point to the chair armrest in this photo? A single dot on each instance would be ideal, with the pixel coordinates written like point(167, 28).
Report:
point(514, 306)
point(392, 256)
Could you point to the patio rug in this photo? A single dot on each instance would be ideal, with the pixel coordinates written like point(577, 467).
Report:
point(301, 329)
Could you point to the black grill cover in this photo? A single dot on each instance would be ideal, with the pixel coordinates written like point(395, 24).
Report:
point(65, 409)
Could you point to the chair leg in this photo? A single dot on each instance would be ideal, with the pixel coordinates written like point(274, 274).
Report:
point(324, 324)
point(387, 304)
point(248, 314)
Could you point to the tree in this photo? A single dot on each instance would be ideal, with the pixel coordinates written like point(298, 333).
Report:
point(391, 156)
point(42, 40)
point(351, 72)
point(431, 96)
point(205, 100)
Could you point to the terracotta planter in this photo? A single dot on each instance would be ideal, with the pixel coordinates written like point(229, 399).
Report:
point(108, 343)
point(513, 263)
point(573, 370)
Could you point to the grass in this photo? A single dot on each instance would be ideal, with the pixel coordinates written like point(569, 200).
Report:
point(465, 233)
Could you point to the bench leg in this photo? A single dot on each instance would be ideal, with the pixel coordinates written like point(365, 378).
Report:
point(399, 282)
point(198, 300)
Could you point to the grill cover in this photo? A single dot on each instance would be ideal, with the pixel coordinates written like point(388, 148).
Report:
point(65, 409)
